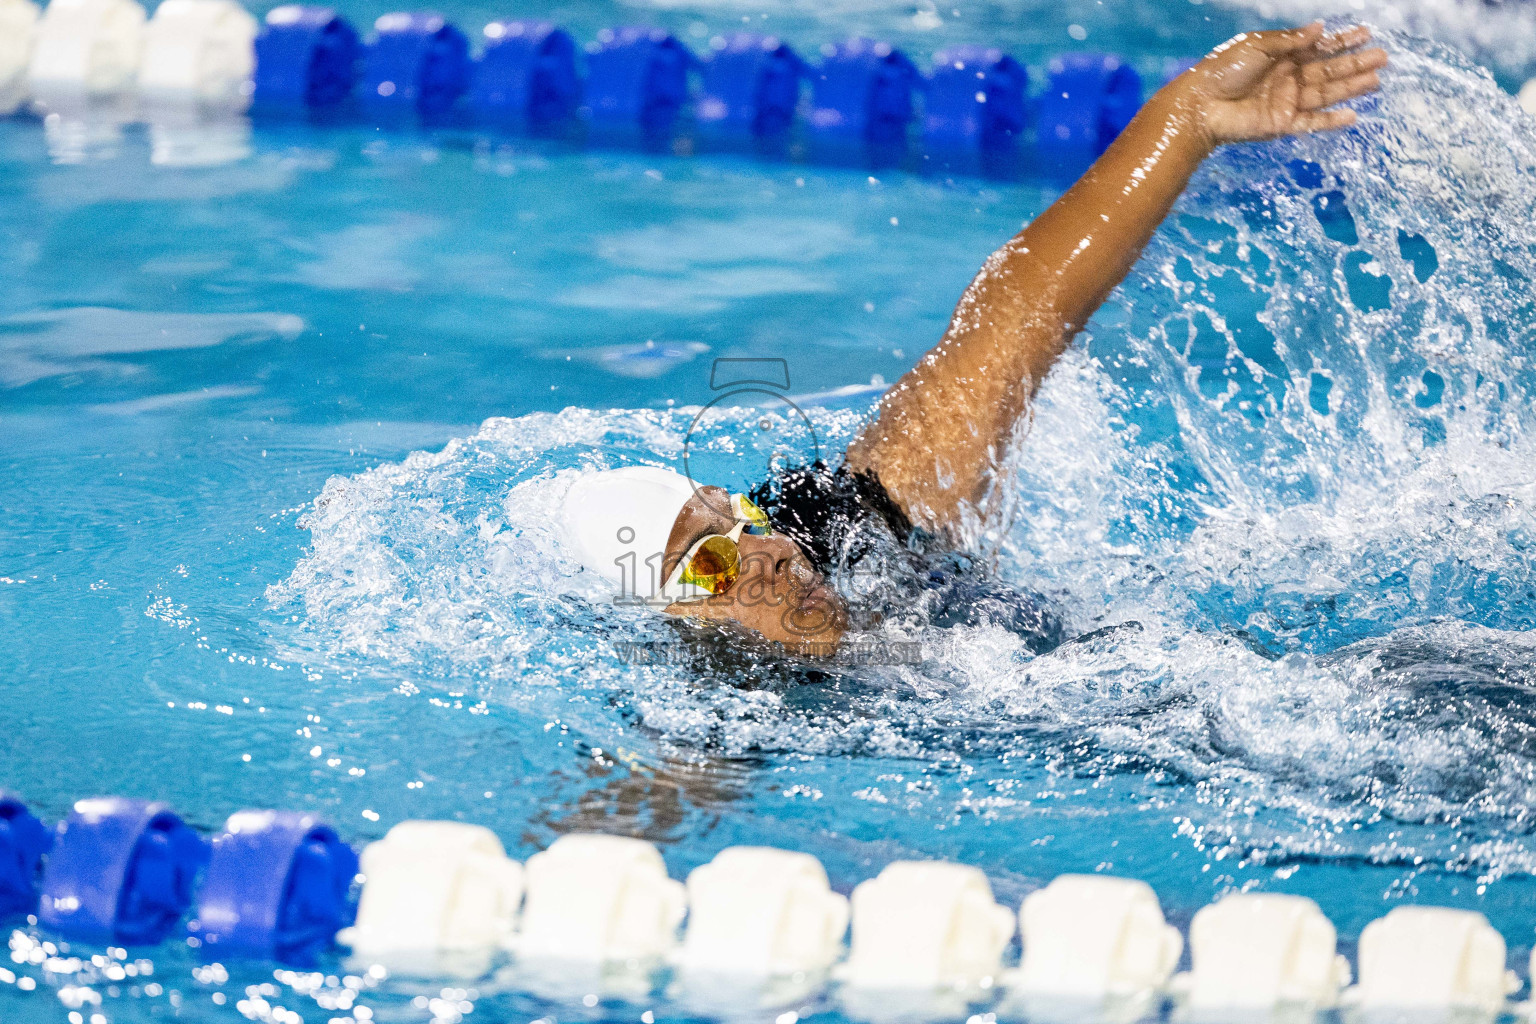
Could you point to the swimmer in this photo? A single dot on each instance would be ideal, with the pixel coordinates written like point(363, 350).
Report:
point(886, 529)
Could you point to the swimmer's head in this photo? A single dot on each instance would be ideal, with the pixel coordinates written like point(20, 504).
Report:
point(699, 552)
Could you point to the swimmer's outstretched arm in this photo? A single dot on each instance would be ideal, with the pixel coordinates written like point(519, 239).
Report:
point(939, 431)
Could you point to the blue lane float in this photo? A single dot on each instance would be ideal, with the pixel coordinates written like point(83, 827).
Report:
point(444, 899)
point(975, 111)
point(306, 58)
point(526, 77)
point(309, 60)
point(637, 81)
point(862, 97)
point(1089, 101)
point(277, 886)
point(751, 88)
point(23, 841)
point(121, 871)
point(416, 62)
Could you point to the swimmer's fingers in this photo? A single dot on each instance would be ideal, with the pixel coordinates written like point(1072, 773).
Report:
point(1308, 43)
point(1285, 41)
point(1338, 42)
point(1322, 121)
point(1347, 65)
point(1326, 94)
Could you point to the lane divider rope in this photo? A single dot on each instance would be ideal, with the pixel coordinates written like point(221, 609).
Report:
point(443, 899)
point(862, 101)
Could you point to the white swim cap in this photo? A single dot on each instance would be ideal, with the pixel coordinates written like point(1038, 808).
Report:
point(618, 512)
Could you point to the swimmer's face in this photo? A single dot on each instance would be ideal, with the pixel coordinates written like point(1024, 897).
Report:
point(778, 595)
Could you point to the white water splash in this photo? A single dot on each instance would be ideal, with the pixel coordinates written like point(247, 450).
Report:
point(1314, 599)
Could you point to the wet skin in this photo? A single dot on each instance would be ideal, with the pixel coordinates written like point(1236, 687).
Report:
point(937, 439)
point(778, 594)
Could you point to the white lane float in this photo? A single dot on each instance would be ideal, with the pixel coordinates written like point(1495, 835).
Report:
point(437, 896)
point(87, 47)
point(201, 50)
point(596, 899)
point(1258, 951)
point(1091, 937)
point(762, 912)
point(18, 26)
point(1432, 959)
point(925, 925)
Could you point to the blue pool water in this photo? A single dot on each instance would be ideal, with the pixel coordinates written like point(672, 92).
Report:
point(281, 431)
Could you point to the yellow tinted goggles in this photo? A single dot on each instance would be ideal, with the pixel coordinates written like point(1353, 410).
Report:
point(713, 563)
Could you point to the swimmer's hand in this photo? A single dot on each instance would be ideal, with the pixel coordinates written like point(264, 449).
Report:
point(1262, 85)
